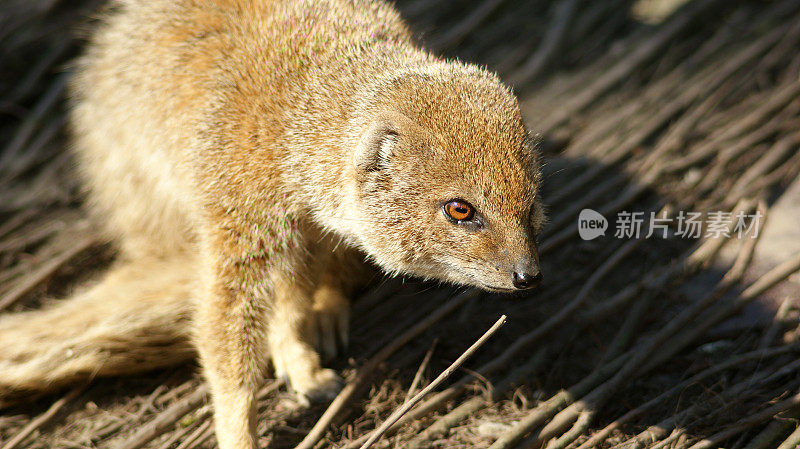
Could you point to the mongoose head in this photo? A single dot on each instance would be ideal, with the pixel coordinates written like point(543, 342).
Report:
point(448, 180)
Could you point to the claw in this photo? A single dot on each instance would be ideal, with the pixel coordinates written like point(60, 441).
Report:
point(328, 336)
point(344, 329)
point(328, 385)
point(330, 326)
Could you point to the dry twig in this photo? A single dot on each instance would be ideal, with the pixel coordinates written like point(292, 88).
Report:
point(394, 417)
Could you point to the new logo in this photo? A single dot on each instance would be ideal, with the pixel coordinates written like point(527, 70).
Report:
point(591, 224)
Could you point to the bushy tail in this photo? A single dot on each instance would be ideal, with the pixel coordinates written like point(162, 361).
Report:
point(135, 320)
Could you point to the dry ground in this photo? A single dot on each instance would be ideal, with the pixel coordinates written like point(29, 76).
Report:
point(654, 342)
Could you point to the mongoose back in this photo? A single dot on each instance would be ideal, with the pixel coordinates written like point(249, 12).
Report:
point(247, 156)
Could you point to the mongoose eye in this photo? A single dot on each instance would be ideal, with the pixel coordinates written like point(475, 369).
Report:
point(459, 210)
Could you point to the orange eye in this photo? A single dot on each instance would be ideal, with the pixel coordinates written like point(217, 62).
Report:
point(459, 210)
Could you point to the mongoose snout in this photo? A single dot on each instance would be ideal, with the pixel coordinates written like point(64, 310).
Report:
point(525, 280)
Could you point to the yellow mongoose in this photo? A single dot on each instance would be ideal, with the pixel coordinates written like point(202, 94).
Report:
point(247, 156)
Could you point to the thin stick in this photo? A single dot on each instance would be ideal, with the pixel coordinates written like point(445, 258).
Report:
point(202, 438)
point(44, 418)
point(444, 423)
point(176, 436)
point(563, 13)
point(165, 420)
point(746, 423)
point(778, 323)
point(792, 442)
point(457, 33)
point(196, 435)
point(22, 217)
point(757, 355)
point(730, 393)
point(44, 273)
point(622, 69)
point(420, 370)
point(441, 378)
point(46, 103)
point(767, 437)
point(764, 283)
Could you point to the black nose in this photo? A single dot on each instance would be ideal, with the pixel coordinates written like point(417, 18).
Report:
point(524, 281)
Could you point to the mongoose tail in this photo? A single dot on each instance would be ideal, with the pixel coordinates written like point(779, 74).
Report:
point(136, 319)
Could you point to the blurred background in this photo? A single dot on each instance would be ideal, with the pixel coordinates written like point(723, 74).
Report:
point(676, 341)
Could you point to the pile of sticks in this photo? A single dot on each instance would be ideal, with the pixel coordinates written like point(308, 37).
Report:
point(622, 347)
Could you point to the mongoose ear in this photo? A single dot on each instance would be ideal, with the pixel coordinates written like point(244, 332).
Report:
point(380, 141)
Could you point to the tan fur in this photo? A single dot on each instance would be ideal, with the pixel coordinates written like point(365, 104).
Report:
point(248, 154)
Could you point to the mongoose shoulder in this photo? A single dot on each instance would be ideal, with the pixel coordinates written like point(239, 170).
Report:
point(273, 145)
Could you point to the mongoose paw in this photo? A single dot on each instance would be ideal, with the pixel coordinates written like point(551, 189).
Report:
point(330, 329)
point(322, 387)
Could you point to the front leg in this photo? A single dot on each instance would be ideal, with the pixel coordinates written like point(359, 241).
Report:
point(231, 335)
point(257, 301)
